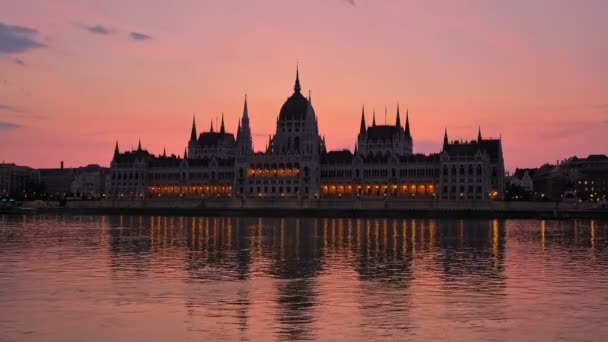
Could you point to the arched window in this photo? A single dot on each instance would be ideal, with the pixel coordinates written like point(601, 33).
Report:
point(453, 170)
point(479, 170)
point(462, 170)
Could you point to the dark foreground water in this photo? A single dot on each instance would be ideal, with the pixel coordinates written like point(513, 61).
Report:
point(100, 278)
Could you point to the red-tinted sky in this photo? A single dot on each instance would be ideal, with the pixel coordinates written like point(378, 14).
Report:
point(77, 75)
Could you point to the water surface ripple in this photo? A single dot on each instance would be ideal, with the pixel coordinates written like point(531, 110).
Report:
point(155, 278)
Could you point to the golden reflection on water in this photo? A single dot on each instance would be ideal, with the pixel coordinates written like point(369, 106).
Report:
point(240, 278)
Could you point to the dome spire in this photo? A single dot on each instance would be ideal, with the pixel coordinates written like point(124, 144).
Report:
point(297, 88)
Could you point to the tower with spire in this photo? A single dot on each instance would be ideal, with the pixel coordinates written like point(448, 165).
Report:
point(384, 140)
point(244, 143)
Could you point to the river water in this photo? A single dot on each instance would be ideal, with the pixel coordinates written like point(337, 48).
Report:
point(152, 278)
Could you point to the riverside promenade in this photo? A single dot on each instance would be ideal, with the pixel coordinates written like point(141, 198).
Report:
point(344, 208)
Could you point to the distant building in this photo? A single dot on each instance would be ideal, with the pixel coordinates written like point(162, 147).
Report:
point(523, 178)
point(591, 183)
point(16, 181)
point(57, 182)
point(89, 180)
point(296, 164)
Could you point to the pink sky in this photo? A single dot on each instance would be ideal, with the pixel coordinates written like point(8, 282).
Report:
point(533, 72)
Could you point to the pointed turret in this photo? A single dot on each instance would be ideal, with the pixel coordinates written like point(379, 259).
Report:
point(407, 123)
point(116, 152)
point(398, 120)
point(211, 129)
point(445, 140)
point(374, 119)
point(479, 134)
point(185, 153)
point(222, 129)
point(297, 88)
point(164, 152)
point(193, 133)
point(363, 128)
point(139, 146)
point(243, 136)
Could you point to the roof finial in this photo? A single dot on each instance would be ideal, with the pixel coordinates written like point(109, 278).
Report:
point(363, 127)
point(116, 152)
point(139, 145)
point(193, 133)
point(445, 139)
point(222, 129)
point(310, 96)
point(479, 134)
point(374, 119)
point(407, 122)
point(297, 88)
point(211, 130)
point(164, 152)
point(398, 120)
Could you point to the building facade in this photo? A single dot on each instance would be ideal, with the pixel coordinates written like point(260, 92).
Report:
point(17, 181)
point(295, 164)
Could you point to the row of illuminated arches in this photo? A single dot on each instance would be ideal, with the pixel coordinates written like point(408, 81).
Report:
point(378, 189)
point(190, 190)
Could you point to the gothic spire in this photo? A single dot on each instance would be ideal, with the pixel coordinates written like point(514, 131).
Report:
point(222, 130)
point(245, 110)
point(139, 146)
point(363, 127)
point(407, 123)
point(479, 134)
point(297, 88)
point(193, 133)
point(211, 130)
point(374, 119)
point(398, 120)
point(116, 152)
point(185, 153)
point(164, 152)
point(445, 140)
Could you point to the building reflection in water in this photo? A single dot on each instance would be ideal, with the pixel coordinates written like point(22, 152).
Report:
point(382, 264)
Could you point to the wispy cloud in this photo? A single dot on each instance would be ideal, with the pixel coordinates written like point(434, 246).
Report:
point(15, 111)
point(9, 108)
point(139, 36)
point(98, 29)
point(18, 39)
point(19, 61)
point(351, 2)
point(564, 129)
point(9, 125)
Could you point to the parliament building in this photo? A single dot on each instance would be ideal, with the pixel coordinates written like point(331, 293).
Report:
point(296, 165)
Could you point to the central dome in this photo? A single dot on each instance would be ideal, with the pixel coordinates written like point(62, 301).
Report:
point(296, 106)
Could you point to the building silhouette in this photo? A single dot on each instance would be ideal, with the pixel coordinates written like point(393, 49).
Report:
point(295, 164)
